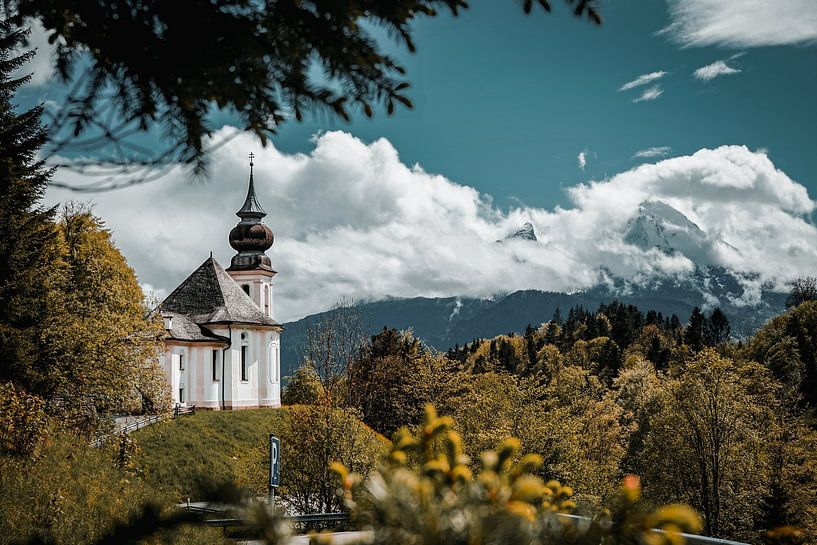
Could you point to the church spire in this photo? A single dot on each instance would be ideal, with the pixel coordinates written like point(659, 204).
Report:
point(251, 238)
point(251, 211)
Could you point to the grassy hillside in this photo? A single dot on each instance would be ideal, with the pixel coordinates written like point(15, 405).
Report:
point(189, 454)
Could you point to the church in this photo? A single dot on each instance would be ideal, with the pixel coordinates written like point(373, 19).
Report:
point(222, 349)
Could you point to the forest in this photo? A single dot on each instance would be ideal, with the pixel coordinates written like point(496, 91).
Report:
point(723, 425)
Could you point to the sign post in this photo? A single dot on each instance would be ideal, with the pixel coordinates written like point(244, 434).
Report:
point(274, 467)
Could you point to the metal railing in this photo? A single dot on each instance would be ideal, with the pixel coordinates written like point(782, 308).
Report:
point(328, 520)
point(178, 410)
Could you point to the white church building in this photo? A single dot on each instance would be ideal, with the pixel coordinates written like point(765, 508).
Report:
point(223, 346)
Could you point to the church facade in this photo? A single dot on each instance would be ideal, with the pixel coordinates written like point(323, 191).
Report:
point(222, 349)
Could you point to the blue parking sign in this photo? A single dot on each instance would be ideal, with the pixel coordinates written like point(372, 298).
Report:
point(274, 461)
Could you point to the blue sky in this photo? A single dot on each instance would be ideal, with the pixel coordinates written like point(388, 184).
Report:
point(519, 119)
point(505, 102)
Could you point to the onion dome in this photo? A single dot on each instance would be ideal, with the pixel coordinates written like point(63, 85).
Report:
point(251, 238)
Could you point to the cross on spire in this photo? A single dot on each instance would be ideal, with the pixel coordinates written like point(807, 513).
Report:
point(252, 156)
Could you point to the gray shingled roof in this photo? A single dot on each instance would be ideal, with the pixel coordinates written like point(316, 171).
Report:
point(210, 296)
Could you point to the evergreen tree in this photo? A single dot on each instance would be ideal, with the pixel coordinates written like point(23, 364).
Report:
point(694, 332)
point(28, 238)
point(717, 328)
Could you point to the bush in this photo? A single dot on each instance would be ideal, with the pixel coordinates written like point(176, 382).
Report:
point(425, 492)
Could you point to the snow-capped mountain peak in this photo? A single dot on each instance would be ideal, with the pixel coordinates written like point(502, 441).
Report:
point(658, 225)
point(525, 232)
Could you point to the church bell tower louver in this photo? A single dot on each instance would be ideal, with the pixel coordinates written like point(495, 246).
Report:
point(251, 268)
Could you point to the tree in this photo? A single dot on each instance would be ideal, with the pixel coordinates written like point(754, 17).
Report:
point(716, 328)
point(707, 442)
point(316, 437)
point(303, 388)
point(103, 347)
point(334, 340)
point(254, 58)
point(694, 332)
point(803, 289)
point(390, 382)
point(29, 255)
point(787, 345)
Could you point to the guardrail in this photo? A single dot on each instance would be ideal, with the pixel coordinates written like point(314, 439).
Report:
point(325, 520)
point(178, 410)
point(316, 521)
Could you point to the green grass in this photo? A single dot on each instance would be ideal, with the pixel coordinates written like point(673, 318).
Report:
point(188, 455)
point(189, 452)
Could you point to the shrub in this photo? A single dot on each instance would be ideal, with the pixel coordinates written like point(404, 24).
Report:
point(426, 493)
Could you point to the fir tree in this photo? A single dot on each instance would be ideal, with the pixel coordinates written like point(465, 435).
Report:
point(717, 328)
point(27, 232)
point(694, 333)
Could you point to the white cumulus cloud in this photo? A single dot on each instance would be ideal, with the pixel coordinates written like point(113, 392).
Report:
point(650, 94)
point(351, 219)
point(643, 79)
point(748, 23)
point(712, 71)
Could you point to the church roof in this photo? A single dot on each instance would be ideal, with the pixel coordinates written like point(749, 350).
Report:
point(210, 296)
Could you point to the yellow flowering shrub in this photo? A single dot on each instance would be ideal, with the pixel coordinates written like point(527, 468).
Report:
point(425, 492)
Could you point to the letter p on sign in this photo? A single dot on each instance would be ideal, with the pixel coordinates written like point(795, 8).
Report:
point(274, 461)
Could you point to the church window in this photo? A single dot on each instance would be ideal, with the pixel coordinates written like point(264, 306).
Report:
point(215, 364)
point(273, 361)
point(244, 363)
point(181, 362)
point(246, 288)
point(181, 394)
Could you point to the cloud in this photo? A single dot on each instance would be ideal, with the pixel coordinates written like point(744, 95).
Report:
point(643, 79)
point(650, 94)
point(351, 219)
point(753, 23)
point(582, 158)
point(41, 67)
point(649, 153)
point(712, 71)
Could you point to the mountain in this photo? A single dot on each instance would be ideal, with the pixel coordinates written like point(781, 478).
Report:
point(443, 322)
point(525, 232)
point(656, 225)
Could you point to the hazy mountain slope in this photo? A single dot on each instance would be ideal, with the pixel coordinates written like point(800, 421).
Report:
point(443, 322)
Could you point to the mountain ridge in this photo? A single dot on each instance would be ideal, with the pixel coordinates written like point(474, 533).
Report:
point(442, 322)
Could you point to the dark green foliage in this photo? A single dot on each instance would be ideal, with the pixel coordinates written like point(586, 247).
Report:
point(717, 329)
point(787, 345)
point(28, 236)
point(250, 57)
point(388, 383)
point(694, 332)
point(802, 290)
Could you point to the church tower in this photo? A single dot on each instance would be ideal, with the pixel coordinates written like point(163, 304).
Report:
point(250, 267)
